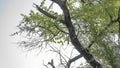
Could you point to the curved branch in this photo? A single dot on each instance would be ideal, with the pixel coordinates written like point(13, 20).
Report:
point(51, 64)
point(72, 60)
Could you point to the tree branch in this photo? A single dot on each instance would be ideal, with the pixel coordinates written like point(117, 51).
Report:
point(45, 65)
point(51, 5)
point(72, 60)
point(50, 16)
point(46, 13)
point(59, 2)
point(51, 64)
point(58, 51)
point(61, 30)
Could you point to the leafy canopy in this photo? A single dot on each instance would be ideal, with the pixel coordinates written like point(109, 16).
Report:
point(94, 21)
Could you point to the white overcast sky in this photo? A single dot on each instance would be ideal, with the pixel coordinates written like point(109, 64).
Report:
point(10, 55)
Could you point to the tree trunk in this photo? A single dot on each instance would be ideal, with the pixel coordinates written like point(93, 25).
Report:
point(90, 59)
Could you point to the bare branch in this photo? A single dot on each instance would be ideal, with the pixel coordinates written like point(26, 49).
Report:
point(58, 51)
point(51, 5)
point(45, 65)
point(47, 14)
point(44, 12)
point(51, 63)
point(71, 52)
point(72, 60)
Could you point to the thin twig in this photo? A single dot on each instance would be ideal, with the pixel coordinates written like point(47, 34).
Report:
point(61, 29)
point(51, 5)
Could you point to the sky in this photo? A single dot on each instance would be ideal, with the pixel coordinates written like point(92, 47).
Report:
point(11, 56)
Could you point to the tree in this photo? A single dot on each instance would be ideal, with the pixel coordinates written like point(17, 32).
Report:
point(91, 26)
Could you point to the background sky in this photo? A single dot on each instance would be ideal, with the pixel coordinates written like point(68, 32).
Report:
point(11, 56)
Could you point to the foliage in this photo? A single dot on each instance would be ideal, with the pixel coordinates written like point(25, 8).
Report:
point(95, 22)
